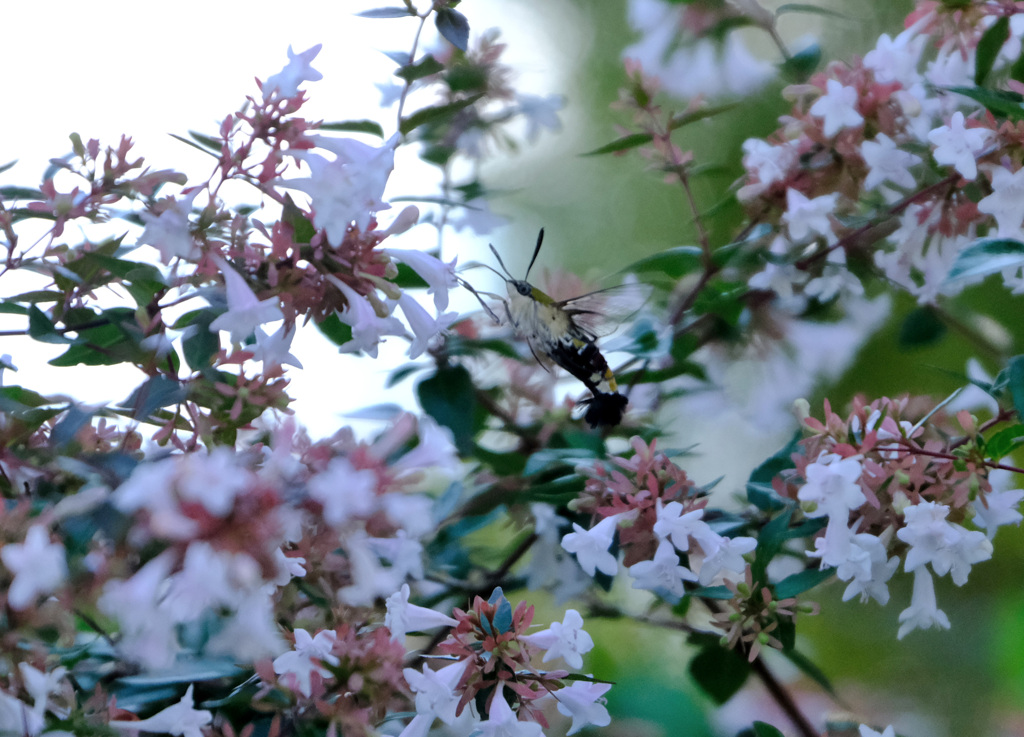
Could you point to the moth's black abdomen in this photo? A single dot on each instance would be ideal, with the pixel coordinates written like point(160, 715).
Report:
point(582, 359)
point(605, 409)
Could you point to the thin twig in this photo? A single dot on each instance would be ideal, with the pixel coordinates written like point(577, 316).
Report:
point(804, 263)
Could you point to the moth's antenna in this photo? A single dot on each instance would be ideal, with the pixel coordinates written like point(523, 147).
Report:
point(491, 268)
point(536, 251)
point(480, 299)
point(500, 262)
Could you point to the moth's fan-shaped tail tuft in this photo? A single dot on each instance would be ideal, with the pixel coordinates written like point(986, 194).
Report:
point(605, 409)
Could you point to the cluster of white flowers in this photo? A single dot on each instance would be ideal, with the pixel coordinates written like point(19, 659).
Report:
point(921, 255)
point(437, 691)
point(689, 66)
point(832, 490)
point(712, 559)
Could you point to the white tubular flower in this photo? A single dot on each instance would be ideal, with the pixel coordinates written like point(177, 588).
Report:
point(869, 568)
point(40, 684)
point(348, 189)
point(181, 719)
point(887, 162)
point(245, 312)
point(832, 486)
point(439, 276)
point(169, 233)
point(808, 218)
point(675, 525)
point(663, 573)
point(591, 546)
point(923, 611)
point(39, 567)
point(344, 492)
point(998, 508)
point(948, 547)
point(299, 664)
point(728, 557)
point(403, 617)
point(837, 107)
point(275, 350)
point(540, 113)
point(565, 639)
point(584, 702)
point(959, 146)
point(298, 70)
point(435, 690)
point(424, 327)
point(367, 327)
point(1004, 202)
point(503, 722)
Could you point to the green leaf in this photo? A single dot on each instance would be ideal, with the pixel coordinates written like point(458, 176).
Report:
point(639, 139)
point(85, 355)
point(41, 295)
point(763, 497)
point(335, 330)
point(77, 146)
point(407, 278)
point(808, 9)
point(185, 671)
point(720, 673)
point(988, 48)
point(194, 145)
point(104, 339)
point(684, 119)
point(7, 166)
point(1017, 70)
point(128, 269)
point(454, 27)
point(423, 68)
point(503, 614)
point(563, 458)
point(386, 13)
point(1015, 373)
point(654, 376)
point(1001, 103)
point(802, 64)
point(802, 581)
point(41, 328)
point(712, 592)
point(759, 486)
point(923, 326)
point(302, 229)
point(673, 262)
point(401, 373)
point(503, 464)
point(355, 126)
point(202, 344)
point(1004, 441)
point(215, 145)
point(435, 113)
point(987, 256)
point(769, 543)
point(621, 144)
point(156, 392)
point(16, 397)
point(65, 430)
point(14, 192)
point(763, 729)
point(458, 345)
point(810, 669)
point(449, 396)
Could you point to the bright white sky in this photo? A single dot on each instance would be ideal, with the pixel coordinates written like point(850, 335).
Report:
point(122, 66)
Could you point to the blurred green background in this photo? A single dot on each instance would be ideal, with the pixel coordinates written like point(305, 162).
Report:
point(602, 213)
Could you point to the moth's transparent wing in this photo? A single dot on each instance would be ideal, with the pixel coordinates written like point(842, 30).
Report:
point(601, 312)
